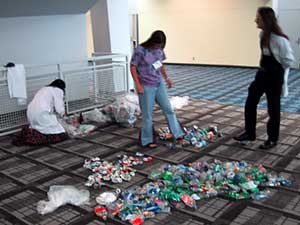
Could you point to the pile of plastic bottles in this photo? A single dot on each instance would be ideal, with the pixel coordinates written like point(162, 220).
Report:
point(180, 186)
point(236, 180)
point(195, 136)
point(116, 172)
point(135, 205)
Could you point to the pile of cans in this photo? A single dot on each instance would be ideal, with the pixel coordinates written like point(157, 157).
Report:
point(194, 135)
point(115, 172)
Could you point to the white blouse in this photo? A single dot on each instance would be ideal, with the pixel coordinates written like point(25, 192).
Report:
point(283, 53)
point(40, 111)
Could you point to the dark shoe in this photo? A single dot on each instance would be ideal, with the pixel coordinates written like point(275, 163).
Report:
point(244, 137)
point(268, 144)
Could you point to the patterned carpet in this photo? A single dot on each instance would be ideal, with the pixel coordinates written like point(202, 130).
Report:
point(227, 85)
point(26, 173)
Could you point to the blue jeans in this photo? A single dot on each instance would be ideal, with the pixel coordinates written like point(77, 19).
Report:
point(146, 101)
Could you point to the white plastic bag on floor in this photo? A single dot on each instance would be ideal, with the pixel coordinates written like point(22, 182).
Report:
point(124, 110)
point(178, 102)
point(97, 116)
point(59, 195)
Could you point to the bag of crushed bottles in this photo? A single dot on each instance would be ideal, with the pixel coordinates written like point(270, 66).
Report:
point(71, 129)
point(124, 110)
point(60, 195)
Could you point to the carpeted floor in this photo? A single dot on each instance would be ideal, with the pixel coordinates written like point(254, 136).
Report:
point(26, 173)
point(228, 85)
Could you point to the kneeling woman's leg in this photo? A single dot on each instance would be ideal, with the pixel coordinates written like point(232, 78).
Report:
point(30, 136)
point(56, 138)
point(163, 101)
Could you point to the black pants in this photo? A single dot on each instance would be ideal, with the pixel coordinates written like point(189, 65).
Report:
point(269, 83)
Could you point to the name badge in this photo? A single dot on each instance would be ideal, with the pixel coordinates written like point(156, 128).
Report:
point(157, 64)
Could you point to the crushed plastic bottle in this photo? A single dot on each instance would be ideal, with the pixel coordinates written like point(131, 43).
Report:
point(101, 212)
point(188, 200)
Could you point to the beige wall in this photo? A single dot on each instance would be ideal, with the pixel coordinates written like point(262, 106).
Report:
point(220, 32)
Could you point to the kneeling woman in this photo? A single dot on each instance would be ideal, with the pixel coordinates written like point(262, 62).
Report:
point(44, 127)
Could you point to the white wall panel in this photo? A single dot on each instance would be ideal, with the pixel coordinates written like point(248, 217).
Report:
point(43, 39)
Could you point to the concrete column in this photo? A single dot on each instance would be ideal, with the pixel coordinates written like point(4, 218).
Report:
point(111, 32)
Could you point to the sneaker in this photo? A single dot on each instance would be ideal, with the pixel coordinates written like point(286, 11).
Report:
point(244, 137)
point(268, 144)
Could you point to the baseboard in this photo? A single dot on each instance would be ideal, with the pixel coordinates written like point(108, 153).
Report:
point(215, 65)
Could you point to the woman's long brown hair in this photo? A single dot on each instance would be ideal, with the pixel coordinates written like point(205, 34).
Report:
point(157, 37)
point(270, 25)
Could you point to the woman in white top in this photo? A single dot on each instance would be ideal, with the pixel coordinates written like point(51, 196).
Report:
point(271, 78)
point(44, 127)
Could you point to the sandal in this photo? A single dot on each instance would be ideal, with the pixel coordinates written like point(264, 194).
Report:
point(169, 136)
point(180, 141)
point(151, 145)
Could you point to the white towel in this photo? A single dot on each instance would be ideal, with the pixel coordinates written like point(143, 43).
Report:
point(16, 79)
point(285, 89)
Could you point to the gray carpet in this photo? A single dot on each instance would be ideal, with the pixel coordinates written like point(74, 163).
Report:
point(26, 173)
point(228, 85)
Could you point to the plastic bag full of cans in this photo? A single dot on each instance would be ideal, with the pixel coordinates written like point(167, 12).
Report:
point(115, 172)
point(195, 136)
point(124, 110)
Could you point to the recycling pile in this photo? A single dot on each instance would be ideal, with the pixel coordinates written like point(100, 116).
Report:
point(116, 172)
point(195, 136)
point(236, 180)
point(135, 205)
point(180, 186)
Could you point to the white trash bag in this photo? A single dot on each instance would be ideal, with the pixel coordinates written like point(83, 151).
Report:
point(178, 102)
point(124, 110)
point(97, 116)
point(60, 195)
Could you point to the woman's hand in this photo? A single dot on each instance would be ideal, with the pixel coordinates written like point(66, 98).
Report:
point(139, 89)
point(169, 82)
point(135, 76)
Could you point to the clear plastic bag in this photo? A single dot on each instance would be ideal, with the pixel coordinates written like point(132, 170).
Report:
point(71, 130)
point(97, 116)
point(124, 110)
point(59, 195)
